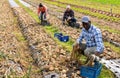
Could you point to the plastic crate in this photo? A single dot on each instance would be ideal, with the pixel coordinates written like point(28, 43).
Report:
point(58, 35)
point(61, 37)
point(64, 38)
point(91, 72)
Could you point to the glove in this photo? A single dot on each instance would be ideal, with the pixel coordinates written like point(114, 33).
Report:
point(69, 18)
point(76, 43)
point(96, 58)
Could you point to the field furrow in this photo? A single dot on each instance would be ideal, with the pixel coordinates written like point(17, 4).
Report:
point(15, 59)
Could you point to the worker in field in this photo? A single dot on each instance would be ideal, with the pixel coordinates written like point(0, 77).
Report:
point(42, 12)
point(93, 40)
point(68, 15)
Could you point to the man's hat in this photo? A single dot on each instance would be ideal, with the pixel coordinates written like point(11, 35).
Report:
point(85, 19)
point(68, 6)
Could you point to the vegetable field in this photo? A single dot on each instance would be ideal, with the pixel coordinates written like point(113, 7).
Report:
point(30, 50)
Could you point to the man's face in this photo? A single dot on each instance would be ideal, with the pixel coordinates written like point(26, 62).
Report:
point(86, 25)
point(68, 9)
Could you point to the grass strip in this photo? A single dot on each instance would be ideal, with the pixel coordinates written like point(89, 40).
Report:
point(114, 48)
point(104, 5)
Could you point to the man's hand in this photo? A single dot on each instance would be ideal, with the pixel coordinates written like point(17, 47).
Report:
point(76, 45)
point(97, 53)
point(69, 18)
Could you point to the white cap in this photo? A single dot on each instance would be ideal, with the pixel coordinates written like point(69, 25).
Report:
point(85, 19)
point(68, 6)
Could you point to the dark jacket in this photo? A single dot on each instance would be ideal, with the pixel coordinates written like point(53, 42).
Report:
point(67, 14)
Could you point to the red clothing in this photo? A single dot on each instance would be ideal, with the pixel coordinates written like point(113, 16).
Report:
point(42, 9)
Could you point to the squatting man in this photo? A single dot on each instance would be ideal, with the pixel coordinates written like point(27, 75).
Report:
point(93, 40)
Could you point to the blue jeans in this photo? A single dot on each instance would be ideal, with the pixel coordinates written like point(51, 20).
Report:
point(73, 20)
point(42, 16)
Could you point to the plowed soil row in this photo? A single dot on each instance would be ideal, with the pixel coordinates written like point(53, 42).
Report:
point(15, 59)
